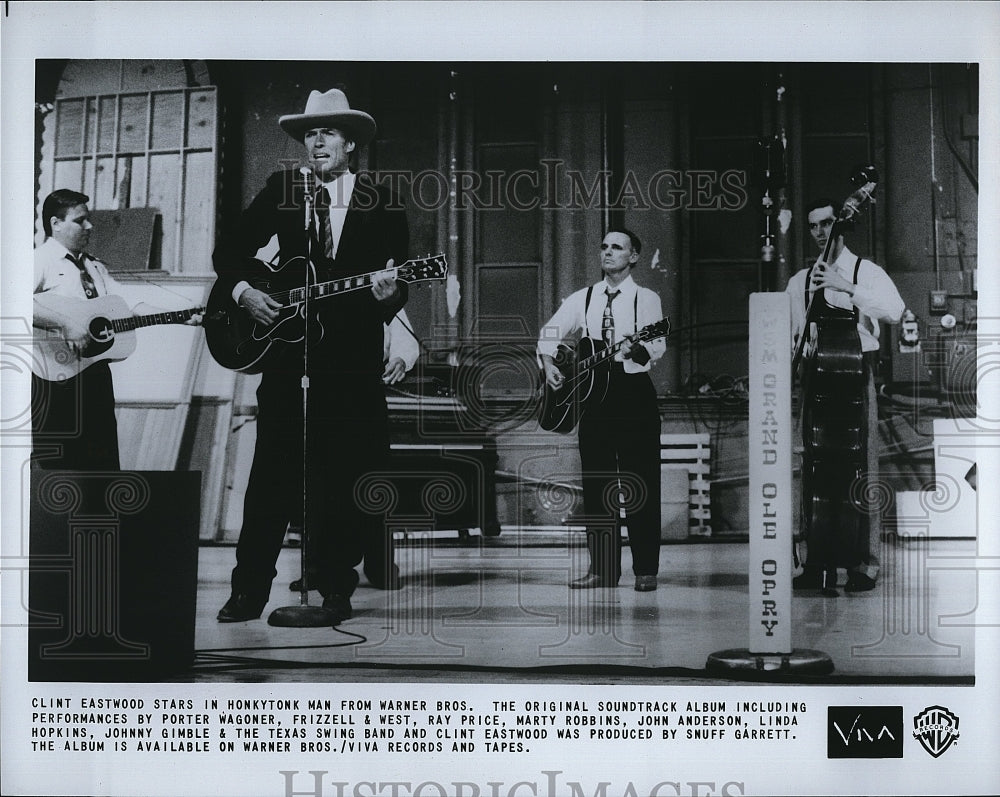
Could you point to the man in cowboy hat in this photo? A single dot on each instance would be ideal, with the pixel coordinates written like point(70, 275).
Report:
point(354, 227)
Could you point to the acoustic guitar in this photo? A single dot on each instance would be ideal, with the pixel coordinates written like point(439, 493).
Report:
point(239, 343)
point(584, 380)
point(112, 337)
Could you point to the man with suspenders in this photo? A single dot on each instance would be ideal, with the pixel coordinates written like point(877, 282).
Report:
point(851, 283)
point(619, 438)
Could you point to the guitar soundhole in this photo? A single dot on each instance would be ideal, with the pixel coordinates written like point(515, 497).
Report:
point(102, 337)
point(100, 330)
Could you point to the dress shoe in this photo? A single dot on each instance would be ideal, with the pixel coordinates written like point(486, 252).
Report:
point(811, 578)
point(296, 586)
point(590, 581)
point(241, 607)
point(645, 583)
point(339, 606)
point(859, 582)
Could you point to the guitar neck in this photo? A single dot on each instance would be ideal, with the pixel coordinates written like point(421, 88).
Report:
point(136, 321)
point(651, 332)
point(345, 285)
point(598, 357)
point(419, 270)
point(810, 307)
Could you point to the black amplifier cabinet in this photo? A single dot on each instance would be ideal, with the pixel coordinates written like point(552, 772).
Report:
point(442, 467)
point(443, 487)
point(113, 574)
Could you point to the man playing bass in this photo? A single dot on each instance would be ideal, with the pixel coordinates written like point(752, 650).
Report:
point(849, 283)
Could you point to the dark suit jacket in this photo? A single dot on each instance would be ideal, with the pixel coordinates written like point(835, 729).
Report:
point(375, 230)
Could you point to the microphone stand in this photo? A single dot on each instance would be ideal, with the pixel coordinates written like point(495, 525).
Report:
point(303, 615)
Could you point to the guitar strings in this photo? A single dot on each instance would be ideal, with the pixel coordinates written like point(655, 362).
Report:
point(285, 297)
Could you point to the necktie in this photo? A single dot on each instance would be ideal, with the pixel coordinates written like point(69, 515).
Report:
point(89, 288)
point(608, 321)
point(323, 218)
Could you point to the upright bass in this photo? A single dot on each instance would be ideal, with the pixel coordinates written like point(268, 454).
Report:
point(834, 419)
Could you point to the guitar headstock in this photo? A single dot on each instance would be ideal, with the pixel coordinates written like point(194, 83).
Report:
point(660, 329)
point(432, 267)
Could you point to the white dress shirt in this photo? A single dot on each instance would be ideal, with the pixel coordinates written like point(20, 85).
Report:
point(634, 308)
point(399, 341)
point(339, 191)
point(875, 297)
point(55, 273)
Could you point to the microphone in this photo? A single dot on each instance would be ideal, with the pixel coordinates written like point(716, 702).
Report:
point(305, 171)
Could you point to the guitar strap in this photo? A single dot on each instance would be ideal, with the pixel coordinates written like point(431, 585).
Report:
point(586, 307)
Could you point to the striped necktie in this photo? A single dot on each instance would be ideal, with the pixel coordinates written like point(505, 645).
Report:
point(89, 288)
point(325, 236)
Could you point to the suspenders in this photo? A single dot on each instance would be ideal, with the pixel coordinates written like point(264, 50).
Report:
point(857, 267)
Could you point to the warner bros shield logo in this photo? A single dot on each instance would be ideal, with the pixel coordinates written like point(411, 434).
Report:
point(936, 728)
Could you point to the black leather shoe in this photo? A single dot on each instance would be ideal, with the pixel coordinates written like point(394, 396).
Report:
point(811, 578)
point(859, 582)
point(340, 606)
point(645, 583)
point(296, 586)
point(590, 581)
point(241, 607)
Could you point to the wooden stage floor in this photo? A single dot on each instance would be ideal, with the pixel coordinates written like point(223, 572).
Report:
point(498, 610)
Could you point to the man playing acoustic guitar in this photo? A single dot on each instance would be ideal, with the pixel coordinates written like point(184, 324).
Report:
point(72, 394)
point(619, 435)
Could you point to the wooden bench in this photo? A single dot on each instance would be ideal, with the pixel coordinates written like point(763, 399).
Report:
point(691, 453)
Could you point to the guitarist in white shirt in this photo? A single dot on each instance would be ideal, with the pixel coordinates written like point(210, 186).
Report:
point(73, 419)
point(619, 437)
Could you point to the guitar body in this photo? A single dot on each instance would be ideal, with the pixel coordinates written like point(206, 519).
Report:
point(55, 361)
point(562, 408)
point(238, 342)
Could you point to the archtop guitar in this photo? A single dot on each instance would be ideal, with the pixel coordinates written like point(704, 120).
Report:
point(585, 381)
point(239, 343)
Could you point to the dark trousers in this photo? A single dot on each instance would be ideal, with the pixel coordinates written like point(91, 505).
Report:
point(845, 532)
point(347, 441)
point(73, 421)
point(620, 453)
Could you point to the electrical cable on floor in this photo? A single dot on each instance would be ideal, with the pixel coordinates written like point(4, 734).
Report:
point(210, 656)
point(359, 639)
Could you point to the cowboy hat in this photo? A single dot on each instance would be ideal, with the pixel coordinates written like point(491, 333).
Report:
point(330, 109)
